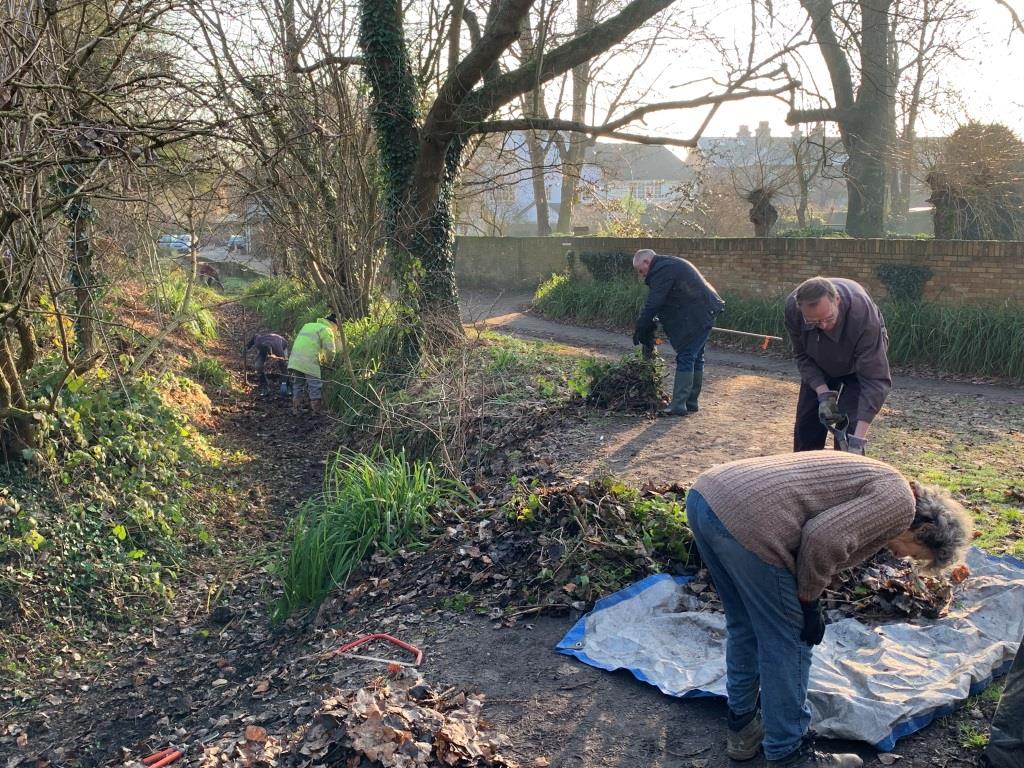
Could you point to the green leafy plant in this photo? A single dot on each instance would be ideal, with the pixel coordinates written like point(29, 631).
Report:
point(285, 305)
point(608, 266)
point(106, 545)
point(905, 282)
point(207, 370)
point(971, 737)
point(369, 504)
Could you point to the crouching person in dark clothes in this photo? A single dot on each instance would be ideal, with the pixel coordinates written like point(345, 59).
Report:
point(773, 531)
point(687, 306)
point(841, 348)
point(270, 347)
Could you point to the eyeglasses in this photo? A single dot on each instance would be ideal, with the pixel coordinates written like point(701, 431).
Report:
point(821, 322)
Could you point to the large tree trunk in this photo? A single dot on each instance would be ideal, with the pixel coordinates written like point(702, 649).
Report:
point(573, 164)
point(864, 121)
point(538, 165)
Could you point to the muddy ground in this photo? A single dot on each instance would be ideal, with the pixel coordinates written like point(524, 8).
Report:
point(205, 674)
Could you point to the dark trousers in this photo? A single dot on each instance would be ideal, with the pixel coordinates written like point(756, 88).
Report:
point(809, 433)
point(690, 352)
point(1006, 744)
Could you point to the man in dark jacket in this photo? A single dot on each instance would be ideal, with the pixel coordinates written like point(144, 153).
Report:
point(269, 347)
point(687, 305)
point(841, 348)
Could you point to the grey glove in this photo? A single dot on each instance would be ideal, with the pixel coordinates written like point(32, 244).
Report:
point(828, 407)
point(855, 444)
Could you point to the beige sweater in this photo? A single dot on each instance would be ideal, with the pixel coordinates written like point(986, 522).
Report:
point(813, 513)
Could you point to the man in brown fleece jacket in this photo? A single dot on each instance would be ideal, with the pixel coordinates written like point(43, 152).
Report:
point(773, 531)
point(841, 348)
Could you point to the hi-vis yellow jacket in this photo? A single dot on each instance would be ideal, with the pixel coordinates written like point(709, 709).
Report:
point(313, 346)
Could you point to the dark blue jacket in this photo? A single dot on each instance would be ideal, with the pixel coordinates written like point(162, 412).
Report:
point(681, 298)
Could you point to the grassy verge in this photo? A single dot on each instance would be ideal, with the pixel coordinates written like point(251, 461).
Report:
point(956, 338)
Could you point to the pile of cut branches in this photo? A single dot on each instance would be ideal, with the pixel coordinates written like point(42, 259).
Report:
point(543, 549)
point(632, 384)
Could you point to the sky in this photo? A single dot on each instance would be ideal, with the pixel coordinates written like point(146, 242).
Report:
point(988, 77)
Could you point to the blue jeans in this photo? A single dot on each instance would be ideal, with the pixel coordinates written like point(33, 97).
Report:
point(763, 623)
point(690, 354)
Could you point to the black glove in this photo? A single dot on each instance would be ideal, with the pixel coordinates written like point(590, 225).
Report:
point(855, 445)
point(814, 622)
point(828, 407)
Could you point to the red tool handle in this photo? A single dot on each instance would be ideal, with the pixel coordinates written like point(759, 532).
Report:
point(165, 756)
point(381, 636)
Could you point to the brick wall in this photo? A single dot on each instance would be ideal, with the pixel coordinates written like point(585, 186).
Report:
point(977, 272)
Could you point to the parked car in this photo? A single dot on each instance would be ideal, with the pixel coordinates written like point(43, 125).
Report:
point(237, 243)
point(174, 243)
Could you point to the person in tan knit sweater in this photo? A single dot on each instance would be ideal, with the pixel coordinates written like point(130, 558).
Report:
point(773, 531)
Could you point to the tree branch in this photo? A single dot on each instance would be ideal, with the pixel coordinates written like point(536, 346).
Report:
point(499, 34)
point(1015, 18)
point(826, 114)
point(560, 60)
point(820, 14)
point(330, 61)
point(553, 124)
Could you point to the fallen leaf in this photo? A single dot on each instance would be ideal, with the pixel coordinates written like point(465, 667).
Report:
point(255, 733)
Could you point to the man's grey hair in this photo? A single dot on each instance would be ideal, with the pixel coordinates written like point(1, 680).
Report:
point(810, 291)
point(642, 255)
point(941, 524)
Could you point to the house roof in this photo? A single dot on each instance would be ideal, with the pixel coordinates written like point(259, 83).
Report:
point(636, 162)
point(748, 151)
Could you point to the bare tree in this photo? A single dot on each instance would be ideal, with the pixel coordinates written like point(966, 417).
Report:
point(300, 145)
point(926, 35)
point(83, 107)
point(858, 44)
point(420, 157)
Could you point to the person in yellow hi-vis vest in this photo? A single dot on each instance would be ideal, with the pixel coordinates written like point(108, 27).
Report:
point(313, 346)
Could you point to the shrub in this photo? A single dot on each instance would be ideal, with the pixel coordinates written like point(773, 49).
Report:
point(105, 544)
point(285, 305)
point(611, 304)
point(608, 266)
point(369, 504)
point(167, 296)
point(905, 282)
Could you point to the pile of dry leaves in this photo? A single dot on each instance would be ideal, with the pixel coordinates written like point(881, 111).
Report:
point(886, 587)
point(399, 723)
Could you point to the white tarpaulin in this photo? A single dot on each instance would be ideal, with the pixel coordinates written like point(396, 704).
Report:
point(876, 684)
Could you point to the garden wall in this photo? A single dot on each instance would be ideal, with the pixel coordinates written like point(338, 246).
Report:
point(978, 272)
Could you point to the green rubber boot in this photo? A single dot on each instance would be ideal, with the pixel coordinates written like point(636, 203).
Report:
point(698, 383)
point(680, 392)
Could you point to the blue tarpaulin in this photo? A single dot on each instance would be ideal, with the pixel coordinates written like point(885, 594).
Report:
point(871, 683)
